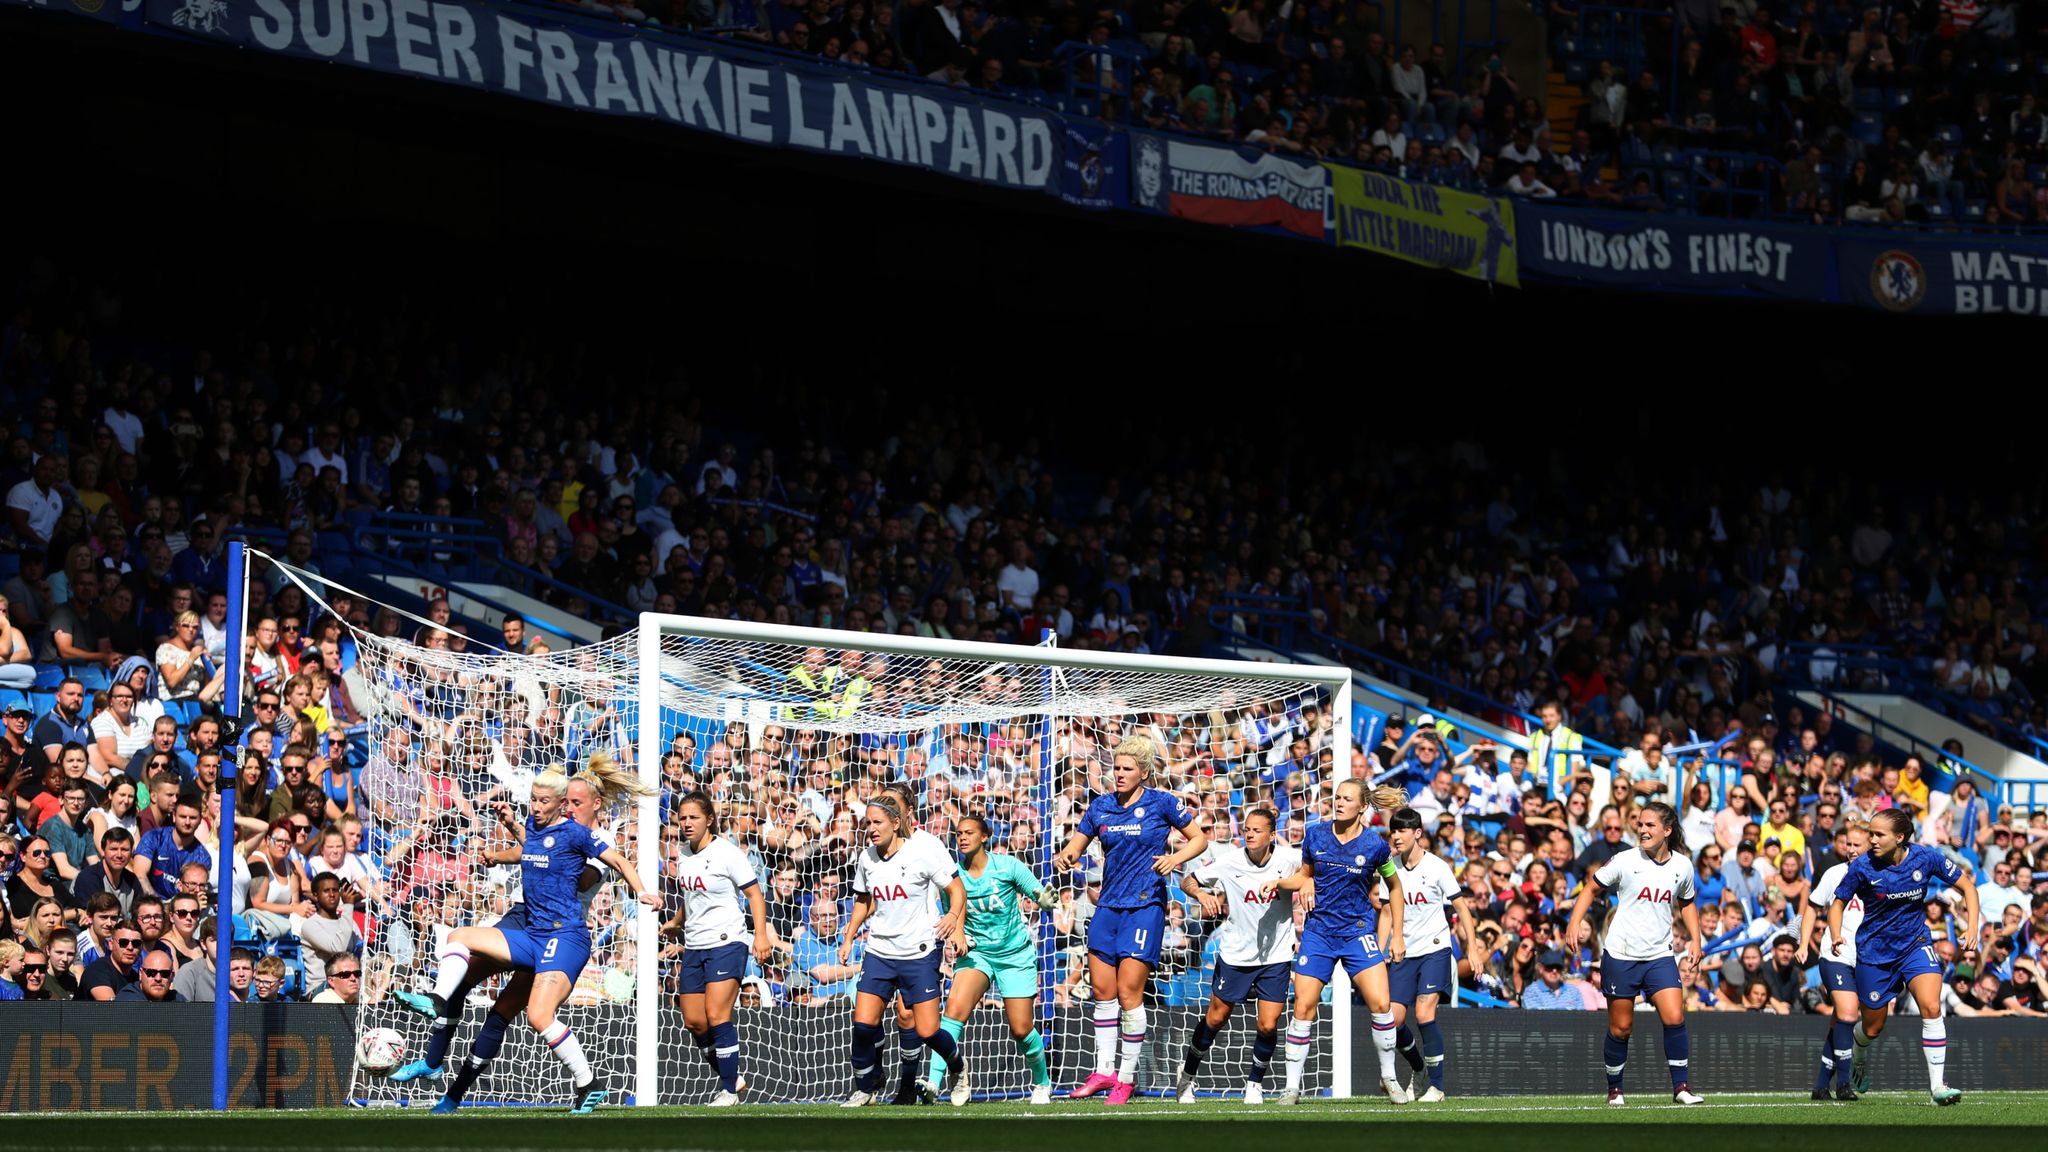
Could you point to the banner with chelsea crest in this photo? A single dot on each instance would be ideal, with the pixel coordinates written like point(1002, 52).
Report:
point(1916, 272)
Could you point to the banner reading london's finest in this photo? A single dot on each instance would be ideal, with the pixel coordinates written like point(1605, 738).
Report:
point(1423, 224)
point(616, 71)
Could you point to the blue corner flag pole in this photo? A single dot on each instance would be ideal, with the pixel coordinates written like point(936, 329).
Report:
point(223, 865)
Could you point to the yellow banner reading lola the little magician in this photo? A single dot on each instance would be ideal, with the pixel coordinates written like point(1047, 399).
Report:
point(1438, 227)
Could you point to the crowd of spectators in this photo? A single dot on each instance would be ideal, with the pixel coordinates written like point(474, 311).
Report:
point(1830, 112)
point(1827, 112)
point(1655, 610)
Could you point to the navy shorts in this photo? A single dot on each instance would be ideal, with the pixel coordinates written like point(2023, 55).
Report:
point(554, 952)
point(917, 978)
point(703, 967)
point(1630, 979)
point(1836, 976)
point(1879, 984)
point(1116, 934)
point(1418, 976)
point(1319, 956)
point(1267, 982)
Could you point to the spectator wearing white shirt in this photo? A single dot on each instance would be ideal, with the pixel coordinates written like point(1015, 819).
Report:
point(1527, 183)
point(1391, 137)
point(1521, 150)
point(1018, 581)
point(34, 505)
point(326, 452)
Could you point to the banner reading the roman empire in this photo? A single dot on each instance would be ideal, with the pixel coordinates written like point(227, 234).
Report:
point(1437, 227)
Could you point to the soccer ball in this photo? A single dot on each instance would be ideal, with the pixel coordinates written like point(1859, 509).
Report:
point(379, 1051)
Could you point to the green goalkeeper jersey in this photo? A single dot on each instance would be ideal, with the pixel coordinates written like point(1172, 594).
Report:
point(994, 925)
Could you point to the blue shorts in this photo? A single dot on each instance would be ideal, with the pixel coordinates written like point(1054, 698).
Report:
point(1319, 957)
point(514, 920)
point(1629, 979)
point(547, 952)
point(1267, 982)
point(1836, 976)
point(1879, 984)
point(703, 967)
point(1419, 976)
point(917, 978)
point(1116, 934)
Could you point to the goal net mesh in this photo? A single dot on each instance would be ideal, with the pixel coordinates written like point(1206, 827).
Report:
point(792, 742)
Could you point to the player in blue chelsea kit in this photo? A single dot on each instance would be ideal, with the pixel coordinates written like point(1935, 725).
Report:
point(1894, 881)
point(1133, 823)
point(1344, 859)
point(555, 943)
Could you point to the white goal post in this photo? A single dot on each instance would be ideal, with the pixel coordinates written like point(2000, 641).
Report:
point(1112, 681)
point(792, 730)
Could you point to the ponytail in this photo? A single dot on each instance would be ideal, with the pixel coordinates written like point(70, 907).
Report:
point(613, 781)
point(1388, 798)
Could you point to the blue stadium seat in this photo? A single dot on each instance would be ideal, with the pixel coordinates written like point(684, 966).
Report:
point(48, 676)
point(2037, 173)
point(1871, 98)
point(10, 565)
point(1432, 134)
point(1899, 98)
point(1825, 171)
point(1936, 210)
point(1948, 134)
point(94, 677)
point(41, 700)
point(1867, 128)
point(183, 711)
point(1974, 211)
point(1567, 45)
point(1576, 71)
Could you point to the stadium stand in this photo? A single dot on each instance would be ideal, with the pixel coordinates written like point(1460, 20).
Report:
point(1927, 113)
point(1660, 611)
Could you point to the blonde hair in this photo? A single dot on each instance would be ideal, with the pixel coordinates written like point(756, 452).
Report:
point(1386, 797)
point(1141, 749)
point(611, 780)
point(9, 953)
point(186, 617)
point(554, 778)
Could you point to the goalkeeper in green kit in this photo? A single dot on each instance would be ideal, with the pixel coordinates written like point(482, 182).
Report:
point(1002, 951)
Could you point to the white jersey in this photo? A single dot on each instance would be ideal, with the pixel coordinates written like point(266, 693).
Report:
point(905, 888)
point(1259, 930)
point(714, 883)
point(1426, 894)
point(1824, 893)
point(1649, 891)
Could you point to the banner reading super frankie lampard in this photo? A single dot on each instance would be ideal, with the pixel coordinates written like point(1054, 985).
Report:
point(618, 71)
point(1422, 224)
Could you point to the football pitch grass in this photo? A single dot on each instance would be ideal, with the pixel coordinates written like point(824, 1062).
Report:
point(1524, 1123)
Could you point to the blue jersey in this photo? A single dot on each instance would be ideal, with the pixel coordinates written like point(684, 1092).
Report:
point(549, 870)
point(1345, 874)
point(1895, 901)
point(1131, 836)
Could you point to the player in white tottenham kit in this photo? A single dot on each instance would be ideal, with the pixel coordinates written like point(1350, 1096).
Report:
point(1837, 971)
point(716, 881)
point(1655, 884)
point(1419, 980)
point(1255, 945)
point(896, 882)
point(911, 1087)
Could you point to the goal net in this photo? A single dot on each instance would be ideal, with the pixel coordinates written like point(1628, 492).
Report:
point(792, 732)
